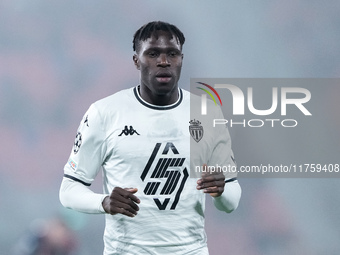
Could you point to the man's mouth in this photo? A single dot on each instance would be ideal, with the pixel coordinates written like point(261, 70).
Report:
point(163, 77)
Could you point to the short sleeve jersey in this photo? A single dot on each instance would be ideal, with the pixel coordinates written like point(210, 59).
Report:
point(139, 145)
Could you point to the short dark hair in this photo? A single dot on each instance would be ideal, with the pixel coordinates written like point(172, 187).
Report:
point(151, 28)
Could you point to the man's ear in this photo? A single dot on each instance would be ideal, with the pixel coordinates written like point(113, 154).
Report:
point(136, 61)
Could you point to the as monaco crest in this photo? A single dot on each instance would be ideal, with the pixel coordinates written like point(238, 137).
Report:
point(196, 130)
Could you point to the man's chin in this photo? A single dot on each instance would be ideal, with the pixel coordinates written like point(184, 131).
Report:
point(165, 88)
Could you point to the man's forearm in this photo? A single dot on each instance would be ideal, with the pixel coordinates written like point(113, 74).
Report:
point(230, 198)
point(76, 196)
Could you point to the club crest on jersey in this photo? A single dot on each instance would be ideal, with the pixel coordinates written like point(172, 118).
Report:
point(196, 130)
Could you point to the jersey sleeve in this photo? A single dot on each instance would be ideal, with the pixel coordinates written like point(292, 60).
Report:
point(222, 154)
point(89, 148)
point(223, 157)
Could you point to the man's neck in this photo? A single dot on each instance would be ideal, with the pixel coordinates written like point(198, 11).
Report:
point(159, 99)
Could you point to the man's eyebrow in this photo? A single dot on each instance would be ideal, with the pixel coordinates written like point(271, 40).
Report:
point(163, 49)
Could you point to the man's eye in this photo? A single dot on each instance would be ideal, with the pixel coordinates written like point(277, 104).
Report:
point(173, 54)
point(152, 54)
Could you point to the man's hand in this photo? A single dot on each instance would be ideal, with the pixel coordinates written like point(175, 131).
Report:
point(122, 201)
point(211, 182)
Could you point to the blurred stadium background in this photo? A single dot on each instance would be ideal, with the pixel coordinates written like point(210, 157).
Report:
point(58, 56)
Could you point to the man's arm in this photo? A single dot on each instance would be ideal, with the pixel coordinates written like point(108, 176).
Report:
point(122, 201)
point(226, 194)
point(227, 191)
point(228, 201)
point(77, 196)
point(74, 195)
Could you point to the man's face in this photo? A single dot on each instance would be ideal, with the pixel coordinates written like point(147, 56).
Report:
point(160, 62)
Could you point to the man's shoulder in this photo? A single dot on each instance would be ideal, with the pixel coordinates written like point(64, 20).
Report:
point(194, 99)
point(115, 101)
point(188, 95)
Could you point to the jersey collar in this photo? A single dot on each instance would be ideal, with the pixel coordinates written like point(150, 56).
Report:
point(158, 107)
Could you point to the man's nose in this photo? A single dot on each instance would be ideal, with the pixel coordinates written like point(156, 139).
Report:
point(163, 60)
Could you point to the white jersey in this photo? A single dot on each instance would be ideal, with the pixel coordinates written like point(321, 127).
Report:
point(139, 145)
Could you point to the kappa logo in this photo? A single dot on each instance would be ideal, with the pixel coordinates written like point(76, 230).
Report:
point(87, 120)
point(196, 130)
point(128, 131)
point(169, 174)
